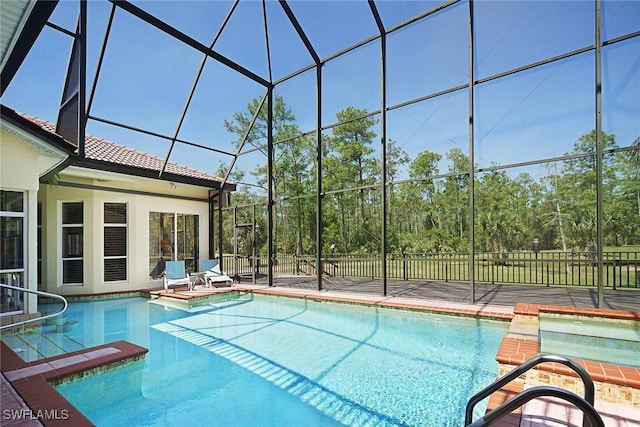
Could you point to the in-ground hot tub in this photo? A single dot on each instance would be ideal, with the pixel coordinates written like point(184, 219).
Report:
point(601, 339)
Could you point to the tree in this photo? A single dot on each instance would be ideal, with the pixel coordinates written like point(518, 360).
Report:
point(349, 163)
point(430, 214)
point(497, 219)
point(554, 215)
point(292, 170)
point(396, 159)
point(455, 197)
point(528, 202)
point(623, 216)
point(577, 188)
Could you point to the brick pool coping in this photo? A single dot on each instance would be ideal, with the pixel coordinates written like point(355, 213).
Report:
point(514, 351)
point(613, 383)
point(32, 381)
point(494, 312)
point(535, 309)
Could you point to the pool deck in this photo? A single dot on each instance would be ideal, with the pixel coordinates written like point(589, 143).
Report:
point(449, 294)
point(485, 294)
point(28, 393)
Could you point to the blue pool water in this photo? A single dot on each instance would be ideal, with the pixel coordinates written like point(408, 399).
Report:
point(272, 361)
point(599, 340)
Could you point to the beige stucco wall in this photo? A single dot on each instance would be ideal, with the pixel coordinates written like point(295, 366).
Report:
point(163, 198)
point(19, 171)
point(18, 163)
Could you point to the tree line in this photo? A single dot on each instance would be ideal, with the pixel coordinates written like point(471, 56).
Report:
point(430, 211)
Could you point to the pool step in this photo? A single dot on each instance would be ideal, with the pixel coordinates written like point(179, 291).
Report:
point(49, 343)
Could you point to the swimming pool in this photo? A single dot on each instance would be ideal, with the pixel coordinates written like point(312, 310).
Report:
point(274, 361)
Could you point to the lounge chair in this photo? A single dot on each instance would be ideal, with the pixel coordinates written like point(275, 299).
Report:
point(175, 274)
point(213, 275)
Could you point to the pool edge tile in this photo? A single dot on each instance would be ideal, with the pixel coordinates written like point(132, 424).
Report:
point(37, 390)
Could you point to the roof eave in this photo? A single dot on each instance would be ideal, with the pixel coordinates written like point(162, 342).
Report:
point(150, 173)
point(10, 116)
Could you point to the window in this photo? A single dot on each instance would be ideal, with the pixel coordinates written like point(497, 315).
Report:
point(12, 249)
point(72, 243)
point(172, 236)
point(115, 242)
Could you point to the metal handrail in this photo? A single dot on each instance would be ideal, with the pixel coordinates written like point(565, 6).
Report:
point(589, 389)
point(36, 319)
point(538, 391)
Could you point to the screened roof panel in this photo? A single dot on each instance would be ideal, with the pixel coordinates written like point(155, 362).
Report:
point(249, 162)
point(538, 113)
point(219, 94)
point(123, 91)
point(512, 34)
point(332, 26)
point(428, 56)
point(620, 91)
point(396, 12)
point(200, 20)
point(300, 94)
point(47, 89)
point(197, 158)
point(352, 80)
point(438, 124)
point(288, 52)
point(147, 75)
point(65, 14)
point(619, 18)
point(243, 39)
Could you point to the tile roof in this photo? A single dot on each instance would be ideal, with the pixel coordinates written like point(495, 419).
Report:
point(102, 150)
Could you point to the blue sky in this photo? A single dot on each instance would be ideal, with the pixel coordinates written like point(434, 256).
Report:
point(536, 114)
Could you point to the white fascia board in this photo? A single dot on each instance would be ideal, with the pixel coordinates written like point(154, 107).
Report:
point(49, 156)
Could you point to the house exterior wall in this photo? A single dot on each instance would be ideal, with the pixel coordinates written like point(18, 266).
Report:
point(19, 172)
point(142, 196)
point(18, 163)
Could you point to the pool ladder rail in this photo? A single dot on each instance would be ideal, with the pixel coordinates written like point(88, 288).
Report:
point(584, 404)
point(36, 319)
